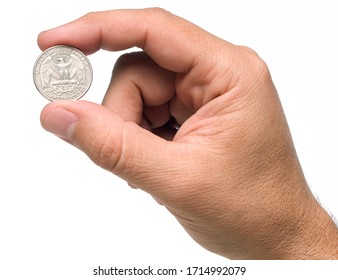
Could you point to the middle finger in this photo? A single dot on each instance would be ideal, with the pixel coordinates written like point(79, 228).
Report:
point(137, 83)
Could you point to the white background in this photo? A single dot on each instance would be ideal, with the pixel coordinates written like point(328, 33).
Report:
point(61, 216)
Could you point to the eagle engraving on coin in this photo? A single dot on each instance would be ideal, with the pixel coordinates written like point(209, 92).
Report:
point(62, 73)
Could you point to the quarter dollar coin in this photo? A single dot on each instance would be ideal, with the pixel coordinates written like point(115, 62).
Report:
point(62, 73)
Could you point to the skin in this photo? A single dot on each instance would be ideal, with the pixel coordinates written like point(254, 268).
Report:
point(229, 173)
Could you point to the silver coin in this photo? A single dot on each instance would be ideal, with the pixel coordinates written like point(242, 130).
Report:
point(62, 73)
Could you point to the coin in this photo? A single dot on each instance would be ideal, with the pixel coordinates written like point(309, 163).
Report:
point(62, 73)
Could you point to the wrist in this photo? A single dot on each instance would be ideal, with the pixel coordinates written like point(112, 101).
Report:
point(314, 236)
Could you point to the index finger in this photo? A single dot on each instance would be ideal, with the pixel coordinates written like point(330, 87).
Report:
point(170, 41)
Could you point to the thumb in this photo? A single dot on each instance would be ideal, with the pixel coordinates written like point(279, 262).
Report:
point(129, 151)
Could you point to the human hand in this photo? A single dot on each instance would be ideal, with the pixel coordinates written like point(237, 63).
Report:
point(230, 173)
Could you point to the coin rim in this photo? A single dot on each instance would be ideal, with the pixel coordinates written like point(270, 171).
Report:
point(62, 46)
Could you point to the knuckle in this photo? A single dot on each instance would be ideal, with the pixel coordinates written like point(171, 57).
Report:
point(92, 16)
point(157, 11)
point(127, 62)
point(257, 63)
point(122, 62)
point(104, 152)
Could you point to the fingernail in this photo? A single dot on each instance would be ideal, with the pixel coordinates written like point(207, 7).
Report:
point(60, 122)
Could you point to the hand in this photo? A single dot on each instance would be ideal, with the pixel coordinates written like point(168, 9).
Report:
point(229, 173)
